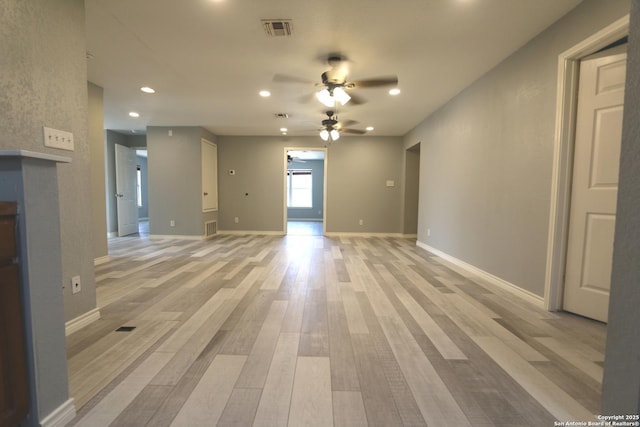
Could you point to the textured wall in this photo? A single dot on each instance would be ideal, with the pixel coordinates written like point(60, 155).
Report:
point(44, 83)
point(486, 157)
point(621, 385)
point(357, 170)
point(175, 180)
point(97, 154)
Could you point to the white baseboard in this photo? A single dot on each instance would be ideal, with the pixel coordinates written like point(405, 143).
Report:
point(176, 237)
point(353, 234)
point(61, 416)
point(81, 321)
point(537, 300)
point(101, 260)
point(112, 234)
point(251, 232)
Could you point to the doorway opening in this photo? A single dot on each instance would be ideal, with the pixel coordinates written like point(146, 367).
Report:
point(304, 191)
point(411, 191)
point(142, 184)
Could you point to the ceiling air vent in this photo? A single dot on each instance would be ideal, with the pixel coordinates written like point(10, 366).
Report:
point(281, 115)
point(277, 27)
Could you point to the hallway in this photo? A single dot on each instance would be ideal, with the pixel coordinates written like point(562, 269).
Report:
point(309, 330)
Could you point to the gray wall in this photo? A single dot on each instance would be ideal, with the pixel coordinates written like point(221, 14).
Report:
point(486, 156)
point(42, 54)
point(621, 385)
point(175, 180)
point(43, 83)
point(97, 160)
point(356, 185)
point(358, 168)
point(317, 187)
point(143, 211)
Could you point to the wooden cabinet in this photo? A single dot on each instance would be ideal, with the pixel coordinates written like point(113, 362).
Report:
point(14, 398)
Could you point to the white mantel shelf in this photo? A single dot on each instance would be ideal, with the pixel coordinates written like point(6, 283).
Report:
point(34, 155)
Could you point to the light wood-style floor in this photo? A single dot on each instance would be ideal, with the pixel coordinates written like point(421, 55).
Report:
point(316, 331)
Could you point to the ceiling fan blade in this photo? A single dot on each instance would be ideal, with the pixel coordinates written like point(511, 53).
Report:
point(353, 131)
point(377, 82)
point(348, 122)
point(305, 99)
point(283, 78)
point(356, 99)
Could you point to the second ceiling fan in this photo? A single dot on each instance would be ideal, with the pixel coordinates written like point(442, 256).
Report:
point(331, 127)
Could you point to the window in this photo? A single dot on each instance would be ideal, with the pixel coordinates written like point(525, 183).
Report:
point(139, 187)
point(299, 188)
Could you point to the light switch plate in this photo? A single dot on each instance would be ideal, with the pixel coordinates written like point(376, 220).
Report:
point(55, 138)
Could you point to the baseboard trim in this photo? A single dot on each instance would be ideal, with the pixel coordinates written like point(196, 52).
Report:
point(101, 260)
point(353, 234)
point(537, 300)
point(176, 237)
point(250, 232)
point(112, 234)
point(61, 416)
point(81, 321)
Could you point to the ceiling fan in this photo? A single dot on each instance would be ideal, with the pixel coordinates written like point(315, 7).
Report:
point(291, 159)
point(331, 127)
point(335, 83)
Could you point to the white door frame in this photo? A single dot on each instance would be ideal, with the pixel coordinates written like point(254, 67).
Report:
point(284, 186)
point(566, 102)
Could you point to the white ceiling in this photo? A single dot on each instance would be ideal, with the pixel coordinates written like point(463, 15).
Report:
point(208, 59)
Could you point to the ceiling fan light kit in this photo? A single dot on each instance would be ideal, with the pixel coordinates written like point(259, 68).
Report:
point(325, 98)
point(341, 96)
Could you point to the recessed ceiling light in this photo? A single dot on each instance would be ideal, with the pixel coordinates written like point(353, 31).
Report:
point(369, 128)
point(265, 93)
point(283, 129)
point(395, 91)
point(134, 114)
point(147, 89)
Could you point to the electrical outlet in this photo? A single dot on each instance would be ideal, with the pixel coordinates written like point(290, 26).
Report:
point(172, 223)
point(428, 232)
point(361, 222)
point(236, 220)
point(55, 138)
point(75, 284)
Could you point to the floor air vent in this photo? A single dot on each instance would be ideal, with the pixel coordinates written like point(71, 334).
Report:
point(210, 228)
point(278, 27)
point(125, 329)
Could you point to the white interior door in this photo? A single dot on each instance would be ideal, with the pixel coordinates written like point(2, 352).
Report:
point(595, 183)
point(209, 160)
point(126, 190)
